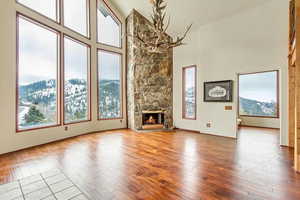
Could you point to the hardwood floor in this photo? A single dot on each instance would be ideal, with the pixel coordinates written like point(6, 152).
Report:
point(166, 165)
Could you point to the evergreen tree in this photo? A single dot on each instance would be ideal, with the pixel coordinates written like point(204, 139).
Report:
point(34, 115)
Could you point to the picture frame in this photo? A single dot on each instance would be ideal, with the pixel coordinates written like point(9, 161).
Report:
point(218, 91)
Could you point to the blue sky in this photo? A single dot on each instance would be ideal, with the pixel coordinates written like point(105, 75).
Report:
point(260, 86)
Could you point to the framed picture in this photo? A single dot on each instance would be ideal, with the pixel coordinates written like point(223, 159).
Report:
point(218, 91)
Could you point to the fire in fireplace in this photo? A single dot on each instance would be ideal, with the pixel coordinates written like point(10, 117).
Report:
point(153, 118)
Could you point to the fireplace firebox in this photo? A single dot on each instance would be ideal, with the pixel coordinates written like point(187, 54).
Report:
point(153, 119)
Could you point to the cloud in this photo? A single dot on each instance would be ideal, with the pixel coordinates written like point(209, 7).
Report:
point(190, 77)
point(260, 86)
point(45, 7)
point(109, 66)
point(76, 60)
point(75, 16)
point(108, 30)
point(38, 50)
point(38, 53)
point(33, 69)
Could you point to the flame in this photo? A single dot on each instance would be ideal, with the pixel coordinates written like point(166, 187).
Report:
point(151, 120)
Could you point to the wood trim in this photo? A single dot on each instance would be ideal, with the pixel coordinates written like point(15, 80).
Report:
point(210, 134)
point(88, 18)
point(17, 75)
point(88, 79)
point(183, 92)
point(60, 76)
point(258, 72)
point(58, 11)
point(258, 127)
point(121, 85)
point(126, 75)
point(189, 130)
point(259, 116)
point(37, 22)
point(277, 95)
point(116, 19)
point(37, 128)
point(58, 88)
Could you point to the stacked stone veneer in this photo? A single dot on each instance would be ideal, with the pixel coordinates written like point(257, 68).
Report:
point(149, 77)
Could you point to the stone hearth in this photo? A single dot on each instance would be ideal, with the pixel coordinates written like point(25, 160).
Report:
point(149, 78)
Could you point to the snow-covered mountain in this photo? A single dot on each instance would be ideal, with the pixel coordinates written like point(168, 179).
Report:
point(43, 96)
point(76, 100)
point(257, 108)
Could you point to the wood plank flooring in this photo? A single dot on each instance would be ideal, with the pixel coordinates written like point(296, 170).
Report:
point(123, 164)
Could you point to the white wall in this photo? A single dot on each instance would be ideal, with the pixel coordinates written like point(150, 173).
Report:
point(9, 139)
point(251, 41)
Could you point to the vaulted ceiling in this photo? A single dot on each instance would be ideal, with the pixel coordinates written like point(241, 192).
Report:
point(183, 12)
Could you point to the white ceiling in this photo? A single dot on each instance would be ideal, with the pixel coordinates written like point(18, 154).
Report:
point(184, 12)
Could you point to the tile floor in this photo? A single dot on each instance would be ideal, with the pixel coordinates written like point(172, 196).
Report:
point(50, 185)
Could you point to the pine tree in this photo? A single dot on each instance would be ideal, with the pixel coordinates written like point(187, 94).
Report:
point(34, 115)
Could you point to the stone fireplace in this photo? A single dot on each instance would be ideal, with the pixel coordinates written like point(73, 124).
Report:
point(149, 81)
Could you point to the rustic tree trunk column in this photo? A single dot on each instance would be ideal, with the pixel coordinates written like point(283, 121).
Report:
point(297, 117)
point(292, 110)
point(297, 88)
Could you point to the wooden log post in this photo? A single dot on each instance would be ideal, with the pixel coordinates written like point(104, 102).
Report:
point(291, 71)
point(292, 109)
point(297, 88)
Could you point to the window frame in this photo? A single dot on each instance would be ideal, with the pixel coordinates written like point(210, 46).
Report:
point(117, 20)
point(277, 116)
point(89, 67)
point(91, 41)
point(58, 80)
point(184, 93)
point(121, 85)
point(88, 19)
point(58, 11)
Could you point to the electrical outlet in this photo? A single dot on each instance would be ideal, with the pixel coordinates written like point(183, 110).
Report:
point(208, 125)
point(66, 128)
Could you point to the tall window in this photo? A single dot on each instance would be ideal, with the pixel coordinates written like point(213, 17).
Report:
point(54, 63)
point(258, 94)
point(49, 8)
point(76, 86)
point(109, 81)
point(189, 77)
point(76, 16)
point(108, 26)
point(37, 75)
